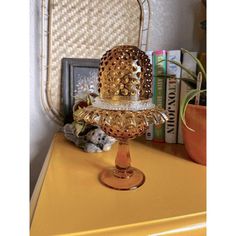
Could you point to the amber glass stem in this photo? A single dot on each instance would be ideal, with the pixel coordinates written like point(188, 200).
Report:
point(123, 159)
point(123, 176)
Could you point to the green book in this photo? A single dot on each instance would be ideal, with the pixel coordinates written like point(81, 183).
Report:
point(159, 91)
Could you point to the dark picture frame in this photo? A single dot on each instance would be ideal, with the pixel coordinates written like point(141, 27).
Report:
point(73, 70)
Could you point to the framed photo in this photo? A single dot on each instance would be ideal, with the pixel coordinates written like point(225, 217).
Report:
point(79, 77)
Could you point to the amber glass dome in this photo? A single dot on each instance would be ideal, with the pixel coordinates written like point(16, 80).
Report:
point(125, 73)
point(124, 107)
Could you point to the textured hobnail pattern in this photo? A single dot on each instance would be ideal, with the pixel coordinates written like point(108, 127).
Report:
point(125, 73)
point(124, 108)
point(121, 124)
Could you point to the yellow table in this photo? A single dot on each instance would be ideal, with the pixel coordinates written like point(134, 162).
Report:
point(73, 202)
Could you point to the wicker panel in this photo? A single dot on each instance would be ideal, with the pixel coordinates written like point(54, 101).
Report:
point(86, 29)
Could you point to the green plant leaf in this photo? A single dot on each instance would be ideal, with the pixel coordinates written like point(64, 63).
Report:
point(190, 82)
point(198, 62)
point(183, 105)
point(181, 66)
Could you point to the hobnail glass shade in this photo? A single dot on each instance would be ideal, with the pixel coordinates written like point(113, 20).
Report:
point(125, 73)
point(123, 109)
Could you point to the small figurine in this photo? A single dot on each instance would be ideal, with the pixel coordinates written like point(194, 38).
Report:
point(88, 137)
point(95, 140)
point(98, 138)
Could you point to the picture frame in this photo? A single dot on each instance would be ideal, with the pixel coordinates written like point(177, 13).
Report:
point(79, 77)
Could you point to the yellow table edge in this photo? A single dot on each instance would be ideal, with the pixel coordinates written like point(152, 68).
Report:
point(39, 183)
point(188, 225)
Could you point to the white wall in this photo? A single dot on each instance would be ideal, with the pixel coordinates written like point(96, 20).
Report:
point(41, 127)
point(174, 24)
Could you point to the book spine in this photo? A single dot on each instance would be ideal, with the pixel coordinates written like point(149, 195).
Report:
point(190, 64)
point(159, 89)
point(172, 96)
point(149, 132)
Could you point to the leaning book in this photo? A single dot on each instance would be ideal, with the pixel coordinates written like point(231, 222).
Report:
point(172, 95)
point(159, 96)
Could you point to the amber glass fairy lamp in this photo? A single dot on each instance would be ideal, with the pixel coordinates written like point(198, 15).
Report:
point(123, 109)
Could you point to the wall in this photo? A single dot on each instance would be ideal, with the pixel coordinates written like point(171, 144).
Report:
point(174, 24)
point(41, 127)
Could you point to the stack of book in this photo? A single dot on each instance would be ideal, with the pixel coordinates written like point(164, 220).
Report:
point(169, 90)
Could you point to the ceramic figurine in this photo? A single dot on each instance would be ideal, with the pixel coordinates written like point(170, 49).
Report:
point(97, 139)
point(92, 139)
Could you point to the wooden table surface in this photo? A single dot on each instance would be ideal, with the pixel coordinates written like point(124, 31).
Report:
point(72, 201)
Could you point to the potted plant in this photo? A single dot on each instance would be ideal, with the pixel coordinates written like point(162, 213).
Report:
point(193, 112)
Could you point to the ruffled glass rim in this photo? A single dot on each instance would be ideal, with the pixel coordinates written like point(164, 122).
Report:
point(98, 116)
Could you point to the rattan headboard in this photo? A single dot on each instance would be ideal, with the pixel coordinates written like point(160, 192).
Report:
point(85, 29)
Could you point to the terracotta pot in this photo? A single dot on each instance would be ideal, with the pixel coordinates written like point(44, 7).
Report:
point(195, 142)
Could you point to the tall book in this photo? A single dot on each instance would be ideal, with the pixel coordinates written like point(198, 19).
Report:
point(149, 131)
point(172, 96)
point(159, 97)
point(190, 64)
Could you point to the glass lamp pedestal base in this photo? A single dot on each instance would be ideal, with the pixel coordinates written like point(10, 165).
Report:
point(122, 179)
point(122, 176)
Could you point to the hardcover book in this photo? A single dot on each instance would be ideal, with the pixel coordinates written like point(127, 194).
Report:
point(159, 97)
point(190, 64)
point(172, 96)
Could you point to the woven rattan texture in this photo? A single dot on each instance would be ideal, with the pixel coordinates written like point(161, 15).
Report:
point(86, 29)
